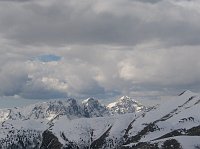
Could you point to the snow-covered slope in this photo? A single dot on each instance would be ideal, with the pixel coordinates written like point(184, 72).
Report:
point(122, 124)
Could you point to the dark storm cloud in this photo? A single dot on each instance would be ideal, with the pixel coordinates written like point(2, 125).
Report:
point(56, 48)
point(148, 1)
point(74, 22)
point(14, 0)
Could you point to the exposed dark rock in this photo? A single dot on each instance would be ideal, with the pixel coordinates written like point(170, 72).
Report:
point(171, 144)
point(97, 144)
point(50, 141)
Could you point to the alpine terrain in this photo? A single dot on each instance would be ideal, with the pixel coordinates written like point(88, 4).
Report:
point(123, 124)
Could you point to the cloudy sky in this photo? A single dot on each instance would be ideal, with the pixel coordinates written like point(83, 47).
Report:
point(99, 48)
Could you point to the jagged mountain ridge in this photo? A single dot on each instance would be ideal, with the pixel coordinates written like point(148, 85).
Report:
point(174, 124)
point(69, 107)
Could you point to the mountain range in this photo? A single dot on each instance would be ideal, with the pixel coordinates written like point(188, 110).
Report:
point(123, 124)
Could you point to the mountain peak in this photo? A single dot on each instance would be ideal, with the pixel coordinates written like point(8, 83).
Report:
point(93, 108)
point(124, 98)
point(88, 100)
point(123, 105)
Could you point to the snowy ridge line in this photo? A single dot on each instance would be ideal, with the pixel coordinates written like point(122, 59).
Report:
point(53, 109)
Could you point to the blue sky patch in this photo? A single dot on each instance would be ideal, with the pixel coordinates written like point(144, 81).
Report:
point(48, 58)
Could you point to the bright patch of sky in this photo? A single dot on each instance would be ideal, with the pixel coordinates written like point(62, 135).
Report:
point(10, 102)
point(48, 58)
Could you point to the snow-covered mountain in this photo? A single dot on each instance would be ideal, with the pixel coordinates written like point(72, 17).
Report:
point(124, 124)
point(71, 108)
point(45, 111)
point(93, 108)
point(125, 105)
